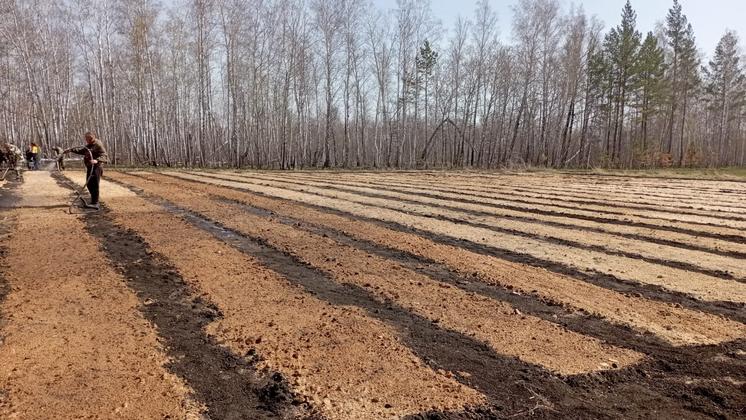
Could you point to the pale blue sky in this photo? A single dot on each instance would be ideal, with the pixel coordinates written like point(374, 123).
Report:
point(710, 18)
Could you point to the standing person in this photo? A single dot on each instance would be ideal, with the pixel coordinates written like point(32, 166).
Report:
point(94, 155)
point(29, 158)
point(12, 155)
point(35, 152)
point(59, 154)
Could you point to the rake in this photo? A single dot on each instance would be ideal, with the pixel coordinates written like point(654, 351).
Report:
point(79, 192)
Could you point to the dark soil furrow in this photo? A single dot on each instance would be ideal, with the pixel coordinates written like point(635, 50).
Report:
point(475, 363)
point(659, 190)
point(734, 238)
point(644, 238)
point(510, 193)
point(573, 188)
point(229, 386)
point(732, 310)
point(554, 240)
point(577, 321)
point(514, 387)
point(573, 185)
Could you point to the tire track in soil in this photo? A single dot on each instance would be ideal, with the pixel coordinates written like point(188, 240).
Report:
point(729, 269)
point(513, 384)
point(718, 231)
point(530, 196)
point(227, 385)
point(731, 310)
point(706, 287)
point(554, 218)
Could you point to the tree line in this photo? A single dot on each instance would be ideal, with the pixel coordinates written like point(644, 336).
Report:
point(339, 83)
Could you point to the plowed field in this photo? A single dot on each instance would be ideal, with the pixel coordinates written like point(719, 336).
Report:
point(334, 295)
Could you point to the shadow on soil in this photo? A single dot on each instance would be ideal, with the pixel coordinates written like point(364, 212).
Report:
point(230, 387)
point(694, 382)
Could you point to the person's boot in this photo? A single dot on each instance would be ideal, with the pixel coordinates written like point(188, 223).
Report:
point(93, 206)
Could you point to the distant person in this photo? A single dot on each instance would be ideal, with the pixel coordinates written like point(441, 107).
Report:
point(94, 156)
point(12, 156)
point(35, 155)
point(59, 154)
point(29, 158)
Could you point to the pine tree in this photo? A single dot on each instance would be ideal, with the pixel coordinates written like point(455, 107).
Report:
point(676, 24)
point(725, 88)
point(622, 45)
point(650, 84)
point(690, 81)
point(425, 62)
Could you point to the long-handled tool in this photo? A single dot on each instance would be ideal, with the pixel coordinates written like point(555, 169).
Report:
point(79, 192)
point(4, 174)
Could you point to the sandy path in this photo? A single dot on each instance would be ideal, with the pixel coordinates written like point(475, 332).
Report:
point(676, 325)
point(347, 364)
point(524, 210)
point(538, 191)
point(699, 285)
point(75, 345)
point(497, 323)
point(714, 263)
point(691, 222)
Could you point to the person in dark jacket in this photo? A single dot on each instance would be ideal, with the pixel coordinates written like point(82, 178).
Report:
point(59, 154)
point(94, 156)
point(12, 155)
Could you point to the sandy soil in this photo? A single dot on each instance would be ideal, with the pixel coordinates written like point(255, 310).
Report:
point(267, 301)
point(678, 326)
point(488, 216)
point(294, 332)
point(541, 193)
point(508, 332)
point(715, 197)
point(610, 213)
point(702, 286)
point(73, 344)
point(508, 207)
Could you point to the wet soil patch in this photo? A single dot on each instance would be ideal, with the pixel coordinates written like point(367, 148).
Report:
point(682, 382)
point(229, 386)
